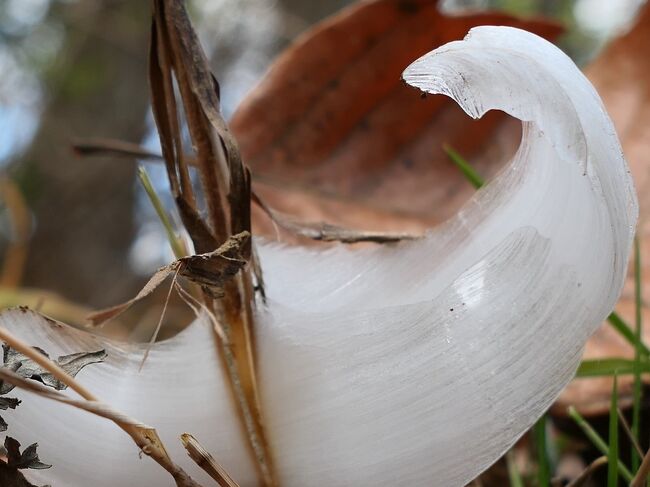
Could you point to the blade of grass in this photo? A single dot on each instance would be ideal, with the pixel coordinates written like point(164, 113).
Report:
point(626, 332)
point(636, 400)
point(543, 469)
point(513, 471)
point(465, 167)
point(612, 455)
point(597, 441)
point(175, 241)
point(609, 367)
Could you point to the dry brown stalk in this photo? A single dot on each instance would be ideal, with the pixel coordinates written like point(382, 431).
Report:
point(588, 472)
point(321, 231)
point(206, 461)
point(176, 53)
point(641, 476)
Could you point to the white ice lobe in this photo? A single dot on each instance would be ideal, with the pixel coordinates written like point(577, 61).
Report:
point(415, 364)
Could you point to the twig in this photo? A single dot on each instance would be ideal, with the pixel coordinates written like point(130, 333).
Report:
point(588, 472)
point(628, 432)
point(206, 461)
point(144, 436)
point(641, 476)
point(324, 232)
point(154, 335)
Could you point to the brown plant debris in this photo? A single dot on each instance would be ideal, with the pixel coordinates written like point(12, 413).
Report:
point(27, 368)
point(206, 461)
point(10, 475)
point(211, 271)
point(322, 231)
point(145, 437)
point(176, 54)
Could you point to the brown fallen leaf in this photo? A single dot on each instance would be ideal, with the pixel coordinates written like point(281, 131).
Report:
point(332, 134)
point(620, 74)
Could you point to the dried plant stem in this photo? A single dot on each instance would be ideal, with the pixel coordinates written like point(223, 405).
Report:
point(582, 479)
point(628, 432)
point(144, 436)
point(641, 476)
point(206, 461)
point(176, 52)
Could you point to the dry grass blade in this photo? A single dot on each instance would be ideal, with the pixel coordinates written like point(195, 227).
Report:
point(99, 146)
point(176, 54)
point(212, 271)
point(628, 432)
point(204, 460)
point(326, 232)
point(588, 472)
point(144, 436)
point(323, 231)
point(641, 476)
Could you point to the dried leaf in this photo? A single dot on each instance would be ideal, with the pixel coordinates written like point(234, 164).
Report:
point(27, 459)
point(12, 477)
point(331, 133)
point(211, 270)
point(7, 403)
point(27, 368)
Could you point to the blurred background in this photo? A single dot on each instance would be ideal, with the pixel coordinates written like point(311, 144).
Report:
point(83, 228)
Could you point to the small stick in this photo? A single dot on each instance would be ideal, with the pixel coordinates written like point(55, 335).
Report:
point(206, 461)
point(639, 479)
point(628, 432)
point(588, 472)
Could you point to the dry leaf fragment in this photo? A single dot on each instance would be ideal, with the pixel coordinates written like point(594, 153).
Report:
point(27, 459)
point(27, 368)
point(211, 270)
point(10, 476)
point(7, 403)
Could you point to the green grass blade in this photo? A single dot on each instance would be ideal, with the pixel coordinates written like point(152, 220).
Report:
point(636, 398)
point(513, 473)
point(465, 167)
point(543, 468)
point(626, 332)
point(175, 241)
point(609, 367)
point(597, 441)
point(612, 455)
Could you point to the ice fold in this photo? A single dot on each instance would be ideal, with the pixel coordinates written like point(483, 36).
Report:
point(412, 364)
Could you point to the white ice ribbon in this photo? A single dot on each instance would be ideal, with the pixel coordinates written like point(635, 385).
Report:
point(414, 364)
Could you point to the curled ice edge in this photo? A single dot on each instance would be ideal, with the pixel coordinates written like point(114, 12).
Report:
point(420, 363)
